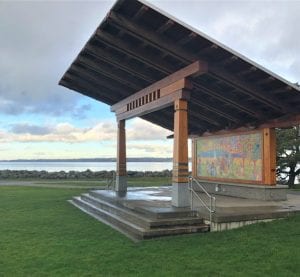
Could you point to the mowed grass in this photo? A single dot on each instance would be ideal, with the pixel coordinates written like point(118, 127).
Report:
point(132, 181)
point(41, 234)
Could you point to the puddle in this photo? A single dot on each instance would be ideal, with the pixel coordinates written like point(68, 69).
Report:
point(153, 194)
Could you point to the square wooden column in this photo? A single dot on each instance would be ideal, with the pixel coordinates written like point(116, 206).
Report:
point(121, 176)
point(180, 190)
point(269, 157)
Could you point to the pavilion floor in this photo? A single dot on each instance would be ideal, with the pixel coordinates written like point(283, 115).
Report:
point(149, 210)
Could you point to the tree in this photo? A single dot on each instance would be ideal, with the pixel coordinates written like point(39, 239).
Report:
point(288, 155)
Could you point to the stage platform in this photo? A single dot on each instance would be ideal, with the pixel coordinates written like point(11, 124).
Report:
point(147, 212)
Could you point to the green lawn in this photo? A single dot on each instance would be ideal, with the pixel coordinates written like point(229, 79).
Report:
point(41, 234)
point(132, 181)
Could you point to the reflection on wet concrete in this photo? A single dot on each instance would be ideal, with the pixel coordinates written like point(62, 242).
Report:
point(139, 193)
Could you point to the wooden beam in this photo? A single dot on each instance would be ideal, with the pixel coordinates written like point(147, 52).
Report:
point(283, 122)
point(269, 157)
point(201, 116)
point(151, 37)
point(191, 70)
point(180, 148)
point(100, 54)
point(248, 70)
point(201, 125)
point(90, 91)
point(140, 12)
point(98, 88)
point(181, 54)
point(121, 174)
point(161, 66)
point(248, 89)
point(184, 40)
point(111, 73)
point(165, 120)
point(221, 112)
point(164, 27)
point(235, 103)
point(153, 106)
point(135, 52)
point(104, 70)
point(100, 81)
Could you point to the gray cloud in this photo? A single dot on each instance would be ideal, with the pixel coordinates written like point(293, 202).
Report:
point(25, 128)
point(264, 31)
point(39, 40)
point(80, 111)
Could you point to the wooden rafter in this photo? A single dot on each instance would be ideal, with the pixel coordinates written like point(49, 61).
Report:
point(191, 70)
point(187, 38)
point(248, 89)
point(101, 54)
point(201, 116)
point(234, 103)
point(165, 68)
point(140, 12)
point(167, 46)
point(94, 78)
point(137, 53)
point(89, 90)
point(169, 23)
point(228, 115)
point(109, 72)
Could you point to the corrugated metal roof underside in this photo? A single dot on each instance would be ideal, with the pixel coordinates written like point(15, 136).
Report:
point(137, 45)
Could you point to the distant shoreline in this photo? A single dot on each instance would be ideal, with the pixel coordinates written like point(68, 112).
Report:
point(90, 160)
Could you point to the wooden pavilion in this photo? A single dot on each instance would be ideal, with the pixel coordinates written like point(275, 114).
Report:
point(145, 63)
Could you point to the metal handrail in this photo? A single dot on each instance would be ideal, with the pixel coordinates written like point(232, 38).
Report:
point(110, 181)
point(212, 200)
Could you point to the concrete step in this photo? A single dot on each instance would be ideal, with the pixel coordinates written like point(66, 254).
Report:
point(152, 212)
point(137, 218)
point(116, 210)
point(131, 230)
point(124, 223)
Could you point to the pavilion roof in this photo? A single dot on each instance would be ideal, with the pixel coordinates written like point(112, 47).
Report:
point(137, 44)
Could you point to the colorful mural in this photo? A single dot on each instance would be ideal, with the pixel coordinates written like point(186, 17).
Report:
point(237, 157)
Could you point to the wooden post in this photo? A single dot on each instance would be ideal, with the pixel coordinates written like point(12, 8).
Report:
point(269, 157)
point(121, 176)
point(180, 192)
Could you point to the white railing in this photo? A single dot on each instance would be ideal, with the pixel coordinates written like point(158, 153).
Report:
point(211, 207)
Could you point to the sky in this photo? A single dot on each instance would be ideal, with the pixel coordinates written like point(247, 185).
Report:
point(40, 39)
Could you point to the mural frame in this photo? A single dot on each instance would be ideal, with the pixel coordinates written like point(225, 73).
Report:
point(230, 180)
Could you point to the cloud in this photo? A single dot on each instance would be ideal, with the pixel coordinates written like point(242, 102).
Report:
point(140, 129)
point(23, 128)
point(264, 31)
point(39, 40)
point(137, 130)
point(152, 150)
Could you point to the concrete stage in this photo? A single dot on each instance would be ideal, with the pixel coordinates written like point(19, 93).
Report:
point(147, 212)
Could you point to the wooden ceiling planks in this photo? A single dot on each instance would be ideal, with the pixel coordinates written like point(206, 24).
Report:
point(137, 45)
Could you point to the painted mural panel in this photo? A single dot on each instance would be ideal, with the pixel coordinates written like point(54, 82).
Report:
point(236, 157)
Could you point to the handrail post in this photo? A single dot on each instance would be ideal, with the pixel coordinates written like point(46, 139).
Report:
point(210, 212)
point(212, 200)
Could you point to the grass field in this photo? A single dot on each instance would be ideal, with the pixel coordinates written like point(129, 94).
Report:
point(41, 234)
point(132, 181)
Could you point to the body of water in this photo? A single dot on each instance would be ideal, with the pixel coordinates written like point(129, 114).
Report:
point(82, 166)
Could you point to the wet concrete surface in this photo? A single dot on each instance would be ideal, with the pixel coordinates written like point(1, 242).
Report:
point(158, 200)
